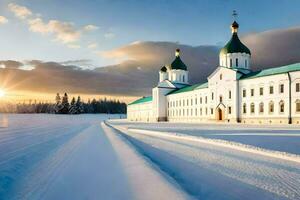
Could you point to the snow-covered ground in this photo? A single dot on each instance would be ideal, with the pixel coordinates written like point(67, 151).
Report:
point(285, 138)
point(219, 169)
point(72, 157)
point(81, 157)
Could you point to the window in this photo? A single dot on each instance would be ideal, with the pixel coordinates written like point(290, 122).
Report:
point(211, 111)
point(200, 100)
point(244, 108)
point(298, 105)
point(229, 94)
point(200, 111)
point(261, 91)
point(221, 99)
point(212, 96)
point(206, 99)
point(271, 90)
point(206, 111)
point(252, 92)
point(271, 107)
point(183, 78)
point(191, 102)
point(261, 107)
point(297, 87)
point(281, 106)
point(252, 108)
point(236, 62)
point(196, 101)
point(246, 63)
point(230, 62)
point(244, 93)
point(281, 88)
point(229, 110)
point(221, 76)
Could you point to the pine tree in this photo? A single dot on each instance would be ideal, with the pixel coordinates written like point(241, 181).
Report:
point(58, 105)
point(73, 107)
point(65, 104)
point(79, 105)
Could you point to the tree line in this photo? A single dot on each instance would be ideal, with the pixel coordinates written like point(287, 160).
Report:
point(62, 105)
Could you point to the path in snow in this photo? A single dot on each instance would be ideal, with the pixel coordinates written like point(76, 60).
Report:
point(208, 170)
point(71, 157)
point(285, 138)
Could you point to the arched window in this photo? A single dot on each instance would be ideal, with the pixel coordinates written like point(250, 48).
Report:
point(271, 107)
point(221, 99)
point(244, 108)
point(261, 107)
point(236, 62)
point(183, 78)
point(297, 105)
point(252, 108)
point(281, 106)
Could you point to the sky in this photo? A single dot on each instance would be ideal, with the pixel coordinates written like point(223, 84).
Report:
point(100, 46)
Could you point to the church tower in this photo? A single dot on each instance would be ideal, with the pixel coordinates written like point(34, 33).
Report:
point(235, 54)
point(178, 70)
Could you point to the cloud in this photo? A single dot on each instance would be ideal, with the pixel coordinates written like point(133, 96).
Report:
point(3, 20)
point(64, 32)
point(109, 35)
point(74, 46)
point(137, 71)
point(274, 47)
point(11, 64)
point(19, 11)
point(93, 46)
point(90, 27)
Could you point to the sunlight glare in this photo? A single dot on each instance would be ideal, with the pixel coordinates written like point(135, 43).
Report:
point(2, 93)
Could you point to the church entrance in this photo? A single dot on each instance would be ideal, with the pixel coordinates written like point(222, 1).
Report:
point(219, 114)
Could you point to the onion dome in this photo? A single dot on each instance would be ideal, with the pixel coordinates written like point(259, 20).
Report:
point(163, 69)
point(235, 45)
point(177, 64)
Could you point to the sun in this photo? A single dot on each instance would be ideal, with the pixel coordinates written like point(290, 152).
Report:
point(2, 93)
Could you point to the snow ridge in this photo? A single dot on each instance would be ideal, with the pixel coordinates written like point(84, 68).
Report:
point(223, 143)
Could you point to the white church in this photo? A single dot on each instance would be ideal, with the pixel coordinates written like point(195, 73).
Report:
point(233, 93)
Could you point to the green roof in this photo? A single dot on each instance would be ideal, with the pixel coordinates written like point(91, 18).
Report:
point(273, 71)
point(235, 46)
point(142, 100)
point(190, 88)
point(178, 64)
point(163, 69)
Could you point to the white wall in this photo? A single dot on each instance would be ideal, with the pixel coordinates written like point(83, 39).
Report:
point(178, 76)
point(266, 98)
point(140, 112)
point(243, 60)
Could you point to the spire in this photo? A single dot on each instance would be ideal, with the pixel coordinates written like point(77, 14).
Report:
point(235, 45)
point(234, 25)
point(177, 52)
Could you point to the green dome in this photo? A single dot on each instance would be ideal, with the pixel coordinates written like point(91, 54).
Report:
point(235, 46)
point(163, 69)
point(177, 63)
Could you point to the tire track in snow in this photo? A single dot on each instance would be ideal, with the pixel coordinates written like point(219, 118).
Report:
point(37, 182)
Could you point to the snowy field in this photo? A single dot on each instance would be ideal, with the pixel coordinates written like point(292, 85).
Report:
point(74, 157)
point(285, 138)
point(81, 157)
point(210, 168)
